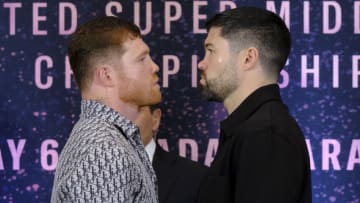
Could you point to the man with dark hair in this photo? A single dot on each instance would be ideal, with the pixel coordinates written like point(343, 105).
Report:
point(262, 155)
point(104, 159)
point(178, 178)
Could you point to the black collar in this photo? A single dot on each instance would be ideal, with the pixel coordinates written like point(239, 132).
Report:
point(248, 107)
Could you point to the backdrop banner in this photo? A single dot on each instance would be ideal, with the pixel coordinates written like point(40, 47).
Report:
point(39, 100)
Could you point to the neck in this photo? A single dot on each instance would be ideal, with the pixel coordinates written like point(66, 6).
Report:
point(234, 100)
point(237, 97)
point(129, 110)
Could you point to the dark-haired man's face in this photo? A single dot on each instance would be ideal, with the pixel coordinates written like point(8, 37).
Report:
point(218, 68)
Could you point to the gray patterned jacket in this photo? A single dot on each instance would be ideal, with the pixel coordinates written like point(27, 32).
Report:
point(104, 160)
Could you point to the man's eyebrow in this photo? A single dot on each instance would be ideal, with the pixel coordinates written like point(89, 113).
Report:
point(143, 53)
point(209, 45)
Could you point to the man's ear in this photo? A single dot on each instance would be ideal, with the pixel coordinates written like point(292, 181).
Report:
point(250, 57)
point(156, 119)
point(104, 76)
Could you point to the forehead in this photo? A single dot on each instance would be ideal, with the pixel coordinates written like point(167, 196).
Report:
point(136, 46)
point(214, 37)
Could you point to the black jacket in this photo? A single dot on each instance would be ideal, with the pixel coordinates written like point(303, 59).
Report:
point(178, 178)
point(262, 155)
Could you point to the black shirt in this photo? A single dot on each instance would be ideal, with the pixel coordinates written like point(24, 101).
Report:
point(262, 155)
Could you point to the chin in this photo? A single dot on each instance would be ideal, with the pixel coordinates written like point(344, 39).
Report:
point(209, 94)
point(155, 98)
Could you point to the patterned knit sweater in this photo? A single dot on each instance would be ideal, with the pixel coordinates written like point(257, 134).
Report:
point(104, 160)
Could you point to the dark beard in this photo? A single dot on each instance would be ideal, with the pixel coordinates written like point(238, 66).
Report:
point(209, 95)
point(220, 87)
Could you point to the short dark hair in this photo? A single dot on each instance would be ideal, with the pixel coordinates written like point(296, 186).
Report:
point(97, 38)
point(250, 26)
